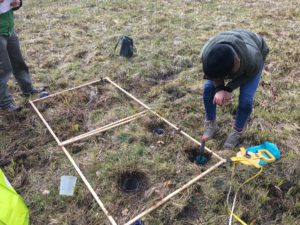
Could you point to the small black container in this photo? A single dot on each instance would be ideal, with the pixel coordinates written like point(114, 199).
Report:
point(159, 131)
point(131, 184)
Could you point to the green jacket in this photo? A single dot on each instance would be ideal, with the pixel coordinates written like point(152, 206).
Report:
point(251, 49)
point(6, 23)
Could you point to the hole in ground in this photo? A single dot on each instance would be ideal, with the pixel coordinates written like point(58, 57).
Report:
point(193, 154)
point(157, 128)
point(190, 211)
point(175, 93)
point(132, 181)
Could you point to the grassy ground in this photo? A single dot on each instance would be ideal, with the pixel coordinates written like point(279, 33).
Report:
point(71, 42)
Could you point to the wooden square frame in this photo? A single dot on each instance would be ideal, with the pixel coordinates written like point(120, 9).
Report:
point(113, 125)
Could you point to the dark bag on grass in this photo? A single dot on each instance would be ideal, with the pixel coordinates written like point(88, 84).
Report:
point(127, 47)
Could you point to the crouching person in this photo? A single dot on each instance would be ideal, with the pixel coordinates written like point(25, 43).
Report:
point(231, 60)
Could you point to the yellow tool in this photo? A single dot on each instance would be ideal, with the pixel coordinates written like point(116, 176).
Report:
point(256, 156)
point(253, 158)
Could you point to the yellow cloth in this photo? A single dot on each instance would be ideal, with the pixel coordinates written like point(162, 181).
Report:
point(13, 211)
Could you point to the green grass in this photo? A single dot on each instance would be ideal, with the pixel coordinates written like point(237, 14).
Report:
point(68, 43)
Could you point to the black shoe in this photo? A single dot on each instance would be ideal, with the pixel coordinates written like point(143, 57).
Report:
point(12, 107)
point(34, 91)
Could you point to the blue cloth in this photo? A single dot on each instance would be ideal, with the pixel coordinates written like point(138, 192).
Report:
point(272, 148)
point(246, 98)
point(138, 222)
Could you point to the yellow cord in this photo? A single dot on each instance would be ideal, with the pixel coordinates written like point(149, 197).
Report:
point(245, 182)
point(237, 217)
point(253, 177)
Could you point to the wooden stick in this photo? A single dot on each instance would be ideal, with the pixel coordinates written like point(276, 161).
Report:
point(127, 93)
point(167, 198)
point(87, 184)
point(164, 119)
point(186, 135)
point(111, 219)
point(70, 89)
point(158, 204)
point(104, 128)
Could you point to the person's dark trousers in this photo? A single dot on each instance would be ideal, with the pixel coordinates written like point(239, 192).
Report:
point(12, 62)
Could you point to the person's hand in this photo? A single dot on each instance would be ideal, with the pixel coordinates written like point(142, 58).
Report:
point(15, 3)
point(222, 97)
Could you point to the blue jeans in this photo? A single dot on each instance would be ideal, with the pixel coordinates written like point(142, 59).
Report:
point(246, 98)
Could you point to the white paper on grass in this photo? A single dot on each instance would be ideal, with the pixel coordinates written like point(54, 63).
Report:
point(5, 6)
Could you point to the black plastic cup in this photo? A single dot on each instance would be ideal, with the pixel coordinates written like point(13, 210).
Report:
point(131, 184)
point(159, 131)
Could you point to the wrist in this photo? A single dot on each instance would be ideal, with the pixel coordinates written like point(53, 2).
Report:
point(228, 89)
point(223, 88)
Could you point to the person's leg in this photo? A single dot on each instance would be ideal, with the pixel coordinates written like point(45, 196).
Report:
point(246, 98)
point(20, 69)
point(208, 97)
point(5, 72)
point(210, 110)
